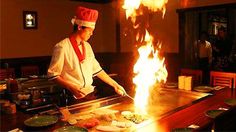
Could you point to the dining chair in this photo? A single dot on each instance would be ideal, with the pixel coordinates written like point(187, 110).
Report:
point(195, 73)
point(29, 70)
point(7, 73)
point(226, 79)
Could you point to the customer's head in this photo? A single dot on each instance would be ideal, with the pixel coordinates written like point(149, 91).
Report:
point(203, 36)
point(222, 32)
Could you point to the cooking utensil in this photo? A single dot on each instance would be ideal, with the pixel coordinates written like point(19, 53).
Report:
point(129, 97)
point(125, 94)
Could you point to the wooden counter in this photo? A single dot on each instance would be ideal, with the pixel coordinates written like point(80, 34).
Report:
point(193, 114)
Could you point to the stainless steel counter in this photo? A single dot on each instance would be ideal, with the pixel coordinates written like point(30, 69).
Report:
point(164, 101)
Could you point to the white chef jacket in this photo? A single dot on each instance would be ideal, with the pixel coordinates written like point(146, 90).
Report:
point(65, 63)
point(203, 50)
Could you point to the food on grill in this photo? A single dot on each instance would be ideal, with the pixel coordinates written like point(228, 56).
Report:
point(72, 121)
point(74, 118)
point(121, 124)
point(105, 114)
point(134, 117)
point(89, 123)
point(83, 117)
point(108, 117)
point(109, 128)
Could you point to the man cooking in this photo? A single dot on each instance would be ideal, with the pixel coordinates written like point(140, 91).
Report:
point(73, 64)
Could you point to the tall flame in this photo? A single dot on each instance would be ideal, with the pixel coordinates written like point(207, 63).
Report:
point(149, 68)
point(131, 6)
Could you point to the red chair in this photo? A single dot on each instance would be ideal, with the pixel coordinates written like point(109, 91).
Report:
point(226, 79)
point(29, 70)
point(196, 74)
point(7, 73)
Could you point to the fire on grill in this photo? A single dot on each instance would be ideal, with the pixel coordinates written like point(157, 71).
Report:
point(150, 68)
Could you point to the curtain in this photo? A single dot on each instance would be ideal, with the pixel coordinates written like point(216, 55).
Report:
point(191, 35)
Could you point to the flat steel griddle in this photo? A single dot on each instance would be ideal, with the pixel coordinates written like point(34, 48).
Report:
point(163, 102)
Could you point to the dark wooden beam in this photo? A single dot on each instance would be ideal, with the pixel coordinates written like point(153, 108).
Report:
point(210, 7)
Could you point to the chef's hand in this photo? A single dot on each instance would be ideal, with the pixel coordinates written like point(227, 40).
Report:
point(76, 93)
point(70, 86)
point(120, 90)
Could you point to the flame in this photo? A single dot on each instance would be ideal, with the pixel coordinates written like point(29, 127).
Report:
point(149, 68)
point(131, 7)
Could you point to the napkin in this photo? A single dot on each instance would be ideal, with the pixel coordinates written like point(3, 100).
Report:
point(181, 82)
point(188, 83)
point(185, 82)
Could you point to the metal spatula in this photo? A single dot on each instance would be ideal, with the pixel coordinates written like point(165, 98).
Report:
point(125, 94)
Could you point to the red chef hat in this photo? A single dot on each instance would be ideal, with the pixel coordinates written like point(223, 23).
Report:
point(85, 17)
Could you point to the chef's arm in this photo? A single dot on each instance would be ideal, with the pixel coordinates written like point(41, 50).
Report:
point(71, 87)
point(107, 79)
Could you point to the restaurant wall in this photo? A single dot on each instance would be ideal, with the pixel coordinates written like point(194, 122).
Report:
point(54, 24)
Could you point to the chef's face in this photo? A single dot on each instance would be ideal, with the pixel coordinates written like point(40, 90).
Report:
point(86, 33)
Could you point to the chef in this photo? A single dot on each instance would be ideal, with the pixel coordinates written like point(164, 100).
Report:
point(73, 64)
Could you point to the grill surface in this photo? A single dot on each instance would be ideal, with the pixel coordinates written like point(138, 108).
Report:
point(163, 102)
